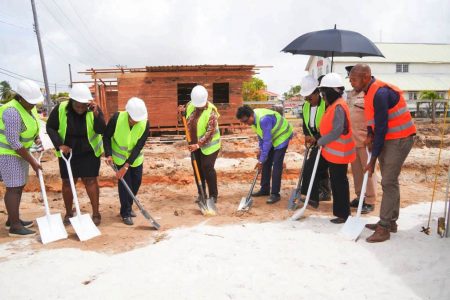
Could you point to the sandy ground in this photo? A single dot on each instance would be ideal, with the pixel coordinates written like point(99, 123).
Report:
point(306, 259)
point(168, 191)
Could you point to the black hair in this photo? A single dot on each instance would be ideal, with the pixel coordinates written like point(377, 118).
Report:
point(244, 111)
point(331, 94)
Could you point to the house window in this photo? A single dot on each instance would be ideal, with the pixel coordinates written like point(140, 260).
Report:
point(221, 92)
point(184, 92)
point(412, 95)
point(402, 68)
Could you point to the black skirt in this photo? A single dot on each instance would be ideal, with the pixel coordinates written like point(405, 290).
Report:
point(83, 165)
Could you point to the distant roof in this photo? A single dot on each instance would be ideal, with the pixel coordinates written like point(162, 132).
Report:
point(406, 53)
point(247, 68)
point(414, 82)
point(269, 93)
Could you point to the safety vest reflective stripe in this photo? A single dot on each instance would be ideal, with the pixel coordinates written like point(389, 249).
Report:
point(345, 140)
point(6, 146)
point(283, 132)
point(391, 115)
point(400, 127)
point(119, 155)
point(215, 132)
point(22, 139)
point(339, 153)
point(212, 143)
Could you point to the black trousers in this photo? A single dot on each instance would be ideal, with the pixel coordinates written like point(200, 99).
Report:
point(207, 172)
point(340, 189)
point(321, 174)
point(133, 178)
point(273, 167)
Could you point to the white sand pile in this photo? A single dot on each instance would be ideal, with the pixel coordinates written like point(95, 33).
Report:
point(287, 260)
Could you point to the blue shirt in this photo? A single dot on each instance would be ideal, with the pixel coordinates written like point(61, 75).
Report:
point(267, 123)
point(385, 98)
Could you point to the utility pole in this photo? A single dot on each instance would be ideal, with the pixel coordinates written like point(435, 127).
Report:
point(70, 75)
point(41, 53)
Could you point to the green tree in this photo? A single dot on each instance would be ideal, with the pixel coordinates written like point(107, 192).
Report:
point(431, 95)
point(6, 93)
point(293, 91)
point(60, 97)
point(253, 90)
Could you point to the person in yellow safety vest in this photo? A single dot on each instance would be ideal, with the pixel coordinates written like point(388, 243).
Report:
point(203, 124)
point(77, 126)
point(338, 147)
point(274, 133)
point(313, 111)
point(359, 129)
point(19, 128)
point(124, 140)
point(390, 136)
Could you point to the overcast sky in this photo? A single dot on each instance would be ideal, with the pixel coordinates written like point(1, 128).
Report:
point(105, 33)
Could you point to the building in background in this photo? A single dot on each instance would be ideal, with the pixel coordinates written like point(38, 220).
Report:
point(163, 88)
point(412, 67)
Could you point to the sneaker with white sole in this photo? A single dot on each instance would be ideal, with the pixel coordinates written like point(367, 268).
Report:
point(21, 232)
point(26, 224)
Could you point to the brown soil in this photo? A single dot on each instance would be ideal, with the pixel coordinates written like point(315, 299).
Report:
point(168, 191)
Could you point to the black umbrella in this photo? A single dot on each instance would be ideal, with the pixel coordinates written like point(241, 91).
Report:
point(333, 42)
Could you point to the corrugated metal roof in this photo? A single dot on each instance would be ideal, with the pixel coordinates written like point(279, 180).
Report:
point(406, 53)
point(413, 82)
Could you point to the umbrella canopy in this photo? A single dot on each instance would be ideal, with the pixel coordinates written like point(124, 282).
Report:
point(333, 42)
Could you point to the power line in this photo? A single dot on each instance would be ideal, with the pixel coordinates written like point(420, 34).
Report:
point(15, 25)
point(88, 31)
point(25, 77)
point(63, 27)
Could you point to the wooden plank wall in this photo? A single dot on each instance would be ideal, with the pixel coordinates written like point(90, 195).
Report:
point(159, 91)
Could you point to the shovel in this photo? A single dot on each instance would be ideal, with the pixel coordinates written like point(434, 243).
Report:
point(299, 213)
point(51, 227)
point(292, 204)
point(207, 206)
point(443, 221)
point(83, 224)
point(139, 205)
point(247, 202)
point(354, 226)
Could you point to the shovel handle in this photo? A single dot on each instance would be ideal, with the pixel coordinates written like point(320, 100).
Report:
point(72, 182)
point(194, 161)
point(364, 187)
point(253, 184)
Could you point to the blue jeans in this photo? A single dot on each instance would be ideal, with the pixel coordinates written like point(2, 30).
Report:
point(133, 178)
point(273, 167)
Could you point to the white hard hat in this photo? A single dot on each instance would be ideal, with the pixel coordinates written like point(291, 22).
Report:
point(136, 109)
point(199, 96)
point(30, 91)
point(332, 80)
point(308, 85)
point(80, 93)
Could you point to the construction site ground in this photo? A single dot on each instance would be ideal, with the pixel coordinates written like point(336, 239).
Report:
point(168, 190)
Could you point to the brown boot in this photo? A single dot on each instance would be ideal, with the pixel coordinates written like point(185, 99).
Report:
point(392, 228)
point(381, 234)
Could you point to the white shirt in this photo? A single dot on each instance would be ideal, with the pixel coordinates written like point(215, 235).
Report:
point(312, 117)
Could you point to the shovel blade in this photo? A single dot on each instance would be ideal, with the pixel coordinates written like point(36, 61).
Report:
point(299, 213)
point(292, 204)
point(352, 228)
point(245, 204)
point(211, 206)
point(51, 228)
point(84, 227)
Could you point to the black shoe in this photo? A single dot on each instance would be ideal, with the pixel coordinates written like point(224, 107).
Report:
point(338, 220)
point(367, 208)
point(274, 198)
point(354, 203)
point(26, 224)
point(313, 203)
point(260, 194)
point(325, 196)
point(128, 221)
point(21, 232)
point(133, 214)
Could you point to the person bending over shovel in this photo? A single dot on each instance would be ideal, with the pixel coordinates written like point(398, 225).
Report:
point(203, 125)
point(124, 139)
point(274, 133)
point(19, 127)
point(76, 126)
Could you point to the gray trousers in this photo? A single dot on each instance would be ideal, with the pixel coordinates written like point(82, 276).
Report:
point(391, 161)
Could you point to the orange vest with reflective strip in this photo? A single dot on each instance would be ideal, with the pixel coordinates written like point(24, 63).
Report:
point(400, 124)
point(342, 150)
